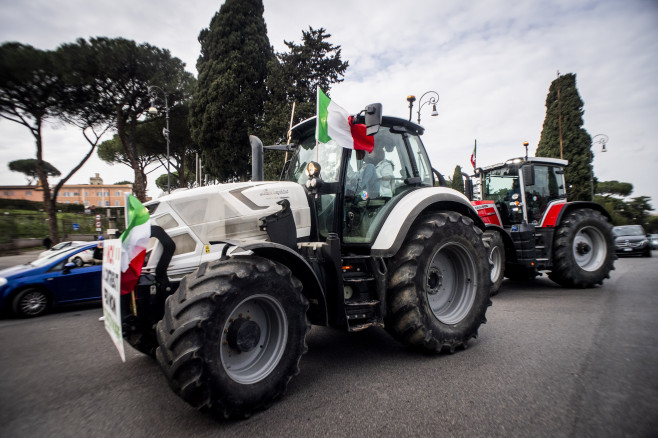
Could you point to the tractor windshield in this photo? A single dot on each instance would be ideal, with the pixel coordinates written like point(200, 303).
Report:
point(501, 185)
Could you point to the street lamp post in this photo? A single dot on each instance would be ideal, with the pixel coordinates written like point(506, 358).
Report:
point(601, 139)
point(431, 100)
point(165, 132)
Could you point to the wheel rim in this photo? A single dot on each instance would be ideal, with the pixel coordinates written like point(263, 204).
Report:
point(77, 261)
point(32, 303)
point(451, 283)
point(589, 248)
point(254, 339)
point(496, 262)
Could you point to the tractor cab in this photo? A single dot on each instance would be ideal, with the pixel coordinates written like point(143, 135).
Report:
point(355, 190)
point(523, 189)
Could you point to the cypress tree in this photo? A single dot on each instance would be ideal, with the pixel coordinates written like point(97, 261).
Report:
point(458, 179)
point(230, 92)
point(567, 111)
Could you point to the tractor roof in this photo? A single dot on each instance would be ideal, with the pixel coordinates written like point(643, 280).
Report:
point(521, 160)
point(303, 127)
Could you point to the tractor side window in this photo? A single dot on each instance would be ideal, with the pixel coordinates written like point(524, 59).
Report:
point(423, 163)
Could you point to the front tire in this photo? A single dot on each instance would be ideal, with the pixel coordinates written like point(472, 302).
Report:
point(30, 303)
point(233, 334)
point(583, 250)
point(439, 284)
point(496, 258)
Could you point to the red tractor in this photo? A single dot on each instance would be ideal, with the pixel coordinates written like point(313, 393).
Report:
point(531, 227)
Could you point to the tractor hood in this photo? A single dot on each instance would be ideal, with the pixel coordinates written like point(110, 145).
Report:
point(229, 211)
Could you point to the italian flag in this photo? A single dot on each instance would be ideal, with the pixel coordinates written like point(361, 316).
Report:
point(334, 123)
point(474, 154)
point(133, 244)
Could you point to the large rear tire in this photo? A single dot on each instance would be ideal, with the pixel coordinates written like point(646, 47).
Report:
point(583, 250)
point(439, 284)
point(496, 258)
point(233, 334)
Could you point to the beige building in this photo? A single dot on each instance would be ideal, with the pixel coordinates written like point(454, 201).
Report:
point(94, 194)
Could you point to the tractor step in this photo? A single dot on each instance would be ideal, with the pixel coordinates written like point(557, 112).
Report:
point(363, 314)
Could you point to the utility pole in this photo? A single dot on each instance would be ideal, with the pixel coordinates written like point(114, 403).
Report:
point(559, 114)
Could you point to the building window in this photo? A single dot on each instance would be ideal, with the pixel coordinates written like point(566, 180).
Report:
point(28, 192)
point(118, 193)
point(107, 203)
point(86, 203)
point(76, 193)
point(99, 194)
point(86, 193)
point(117, 204)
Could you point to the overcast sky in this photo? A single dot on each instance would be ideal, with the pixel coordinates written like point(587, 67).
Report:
point(491, 62)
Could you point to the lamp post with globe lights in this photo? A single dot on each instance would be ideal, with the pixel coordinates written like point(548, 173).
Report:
point(432, 99)
point(601, 139)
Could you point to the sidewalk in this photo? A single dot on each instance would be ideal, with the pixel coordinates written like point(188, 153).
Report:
point(19, 257)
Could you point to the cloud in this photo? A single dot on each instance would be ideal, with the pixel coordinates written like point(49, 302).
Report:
point(491, 61)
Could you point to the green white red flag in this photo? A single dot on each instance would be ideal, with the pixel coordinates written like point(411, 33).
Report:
point(474, 154)
point(334, 123)
point(133, 244)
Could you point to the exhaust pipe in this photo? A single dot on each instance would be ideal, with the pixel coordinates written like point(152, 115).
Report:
point(256, 158)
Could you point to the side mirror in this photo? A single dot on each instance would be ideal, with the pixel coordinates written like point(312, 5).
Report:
point(68, 266)
point(373, 118)
point(529, 175)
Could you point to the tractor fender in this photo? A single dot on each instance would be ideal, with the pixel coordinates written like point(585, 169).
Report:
point(578, 205)
point(416, 202)
point(312, 287)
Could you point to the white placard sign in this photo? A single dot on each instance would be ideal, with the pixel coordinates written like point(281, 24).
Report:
point(112, 292)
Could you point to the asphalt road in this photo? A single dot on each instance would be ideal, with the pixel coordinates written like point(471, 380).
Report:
point(550, 362)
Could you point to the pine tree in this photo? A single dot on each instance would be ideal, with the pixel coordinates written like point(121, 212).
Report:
point(294, 77)
point(230, 92)
point(458, 179)
point(566, 114)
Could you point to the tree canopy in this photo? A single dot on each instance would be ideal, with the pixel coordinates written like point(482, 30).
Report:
point(31, 92)
point(294, 76)
point(230, 92)
point(118, 73)
point(564, 120)
point(28, 166)
point(614, 187)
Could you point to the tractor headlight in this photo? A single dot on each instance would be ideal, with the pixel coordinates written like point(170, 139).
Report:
point(313, 169)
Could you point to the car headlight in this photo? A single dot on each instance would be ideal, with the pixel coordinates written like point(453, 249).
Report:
point(3, 281)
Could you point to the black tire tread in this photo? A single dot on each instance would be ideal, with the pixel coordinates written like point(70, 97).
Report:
point(493, 238)
point(183, 331)
point(565, 271)
point(405, 317)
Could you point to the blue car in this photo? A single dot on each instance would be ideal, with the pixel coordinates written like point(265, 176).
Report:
point(32, 289)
